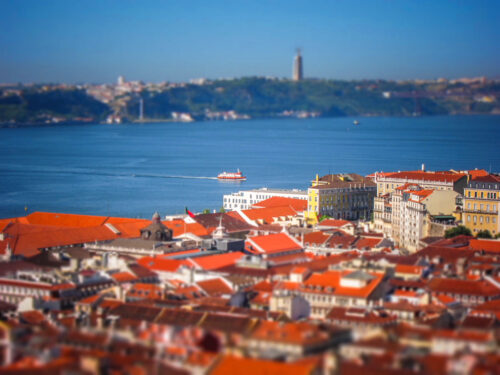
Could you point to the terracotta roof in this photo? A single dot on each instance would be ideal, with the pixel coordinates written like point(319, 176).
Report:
point(230, 223)
point(359, 315)
point(180, 227)
point(251, 366)
point(331, 279)
point(214, 262)
point(297, 333)
point(315, 238)
point(215, 287)
point(266, 215)
point(296, 204)
point(123, 277)
point(227, 322)
point(334, 223)
point(465, 335)
point(160, 264)
point(273, 243)
point(492, 246)
point(370, 243)
point(409, 269)
point(262, 286)
point(65, 220)
point(427, 176)
point(33, 317)
point(142, 290)
point(341, 240)
point(485, 178)
point(467, 287)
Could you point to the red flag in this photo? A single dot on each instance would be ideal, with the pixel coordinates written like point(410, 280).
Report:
point(190, 213)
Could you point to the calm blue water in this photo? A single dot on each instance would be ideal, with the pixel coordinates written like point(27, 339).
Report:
point(122, 170)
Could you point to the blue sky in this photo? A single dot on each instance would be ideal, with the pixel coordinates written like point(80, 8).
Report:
point(97, 40)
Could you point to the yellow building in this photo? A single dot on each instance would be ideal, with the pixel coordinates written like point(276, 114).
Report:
point(341, 196)
point(481, 204)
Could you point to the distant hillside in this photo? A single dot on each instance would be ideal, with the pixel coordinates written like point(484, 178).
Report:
point(252, 96)
point(35, 106)
point(260, 97)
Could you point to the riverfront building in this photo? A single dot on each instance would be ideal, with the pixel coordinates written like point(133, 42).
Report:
point(243, 200)
point(341, 196)
point(447, 180)
point(481, 204)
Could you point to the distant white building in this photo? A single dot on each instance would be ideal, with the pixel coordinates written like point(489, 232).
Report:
point(243, 200)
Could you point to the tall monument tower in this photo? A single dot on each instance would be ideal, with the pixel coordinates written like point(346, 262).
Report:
point(297, 67)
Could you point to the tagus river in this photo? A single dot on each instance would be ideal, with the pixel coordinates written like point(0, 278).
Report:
point(135, 169)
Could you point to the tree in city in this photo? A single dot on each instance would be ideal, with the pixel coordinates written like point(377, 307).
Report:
point(484, 234)
point(457, 231)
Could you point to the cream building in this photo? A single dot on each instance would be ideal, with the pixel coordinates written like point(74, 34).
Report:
point(341, 196)
point(413, 210)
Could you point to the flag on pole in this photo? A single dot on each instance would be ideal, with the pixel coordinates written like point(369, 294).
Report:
point(190, 213)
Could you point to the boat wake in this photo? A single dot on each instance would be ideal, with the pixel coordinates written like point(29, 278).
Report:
point(104, 173)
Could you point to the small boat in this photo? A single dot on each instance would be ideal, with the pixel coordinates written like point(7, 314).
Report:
point(355, 122)
point(232, 176)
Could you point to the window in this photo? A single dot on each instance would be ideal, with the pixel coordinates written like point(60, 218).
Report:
point(494, 220)
point(487, 219)
point(480, 219)
point(474, 218)
point(468, 218)
point(468, 205)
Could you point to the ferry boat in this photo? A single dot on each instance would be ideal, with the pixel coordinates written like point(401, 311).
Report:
point(232, 176)
point(355, 122)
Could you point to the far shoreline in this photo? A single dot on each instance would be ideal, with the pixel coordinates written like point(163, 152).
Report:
point(169, 120)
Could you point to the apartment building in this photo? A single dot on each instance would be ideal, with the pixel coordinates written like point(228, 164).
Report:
point(481, 204)
point(341, 196)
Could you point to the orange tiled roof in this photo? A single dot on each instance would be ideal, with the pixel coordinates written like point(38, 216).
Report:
point(332, 279)
point(315, 238)
point(342, 241)
point(161, 264)
point(467, 287)
point(179, 227)
point(145, 290)
point(370, 243)
point(296, 204)
point(492, 246)
point(298, 333)
point(409, 269)
point(251, 366)
point(266, 215)
point(123, 277)
point(427, 176)
point(334, 223)
point(213, 262)
point(273, 243)
point(215, 287)
point(65, 220)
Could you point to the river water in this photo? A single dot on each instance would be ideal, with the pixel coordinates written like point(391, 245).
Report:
point(133, 170)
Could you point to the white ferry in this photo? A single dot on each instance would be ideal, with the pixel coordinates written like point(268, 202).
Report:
point(233, 176)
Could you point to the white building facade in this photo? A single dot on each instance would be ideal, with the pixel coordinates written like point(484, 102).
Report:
point(243, 200)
